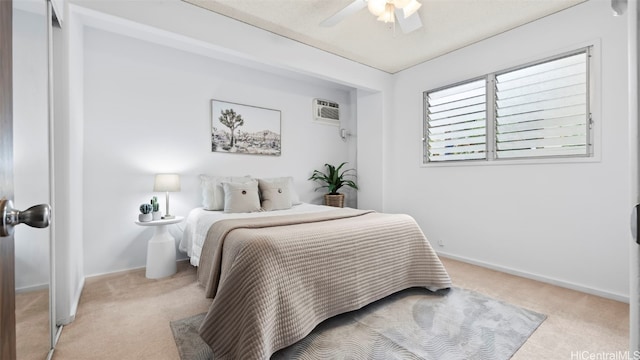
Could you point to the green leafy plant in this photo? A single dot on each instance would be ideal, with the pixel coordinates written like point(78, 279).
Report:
point(334, 179)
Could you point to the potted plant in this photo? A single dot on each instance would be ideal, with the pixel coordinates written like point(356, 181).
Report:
point(145, 212)
point(333, 180)
point(156, 213)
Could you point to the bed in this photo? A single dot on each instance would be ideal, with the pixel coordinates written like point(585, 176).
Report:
point(275, 275)
point(199, 220)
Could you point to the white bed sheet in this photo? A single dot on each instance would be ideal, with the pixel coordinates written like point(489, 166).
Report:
point(199, 221)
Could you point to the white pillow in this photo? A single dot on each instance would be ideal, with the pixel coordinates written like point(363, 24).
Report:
point(241, 197)
point(275, 194)
point(295, 199)
point(212, 192)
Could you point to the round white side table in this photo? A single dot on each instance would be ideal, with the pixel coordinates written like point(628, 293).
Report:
point(161, 249)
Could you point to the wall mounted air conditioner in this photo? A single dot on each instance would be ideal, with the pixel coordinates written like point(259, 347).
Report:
point(326, 112)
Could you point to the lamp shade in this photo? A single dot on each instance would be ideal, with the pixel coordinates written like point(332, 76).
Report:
point(167, 182)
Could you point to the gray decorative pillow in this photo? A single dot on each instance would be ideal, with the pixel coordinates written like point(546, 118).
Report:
point(212, 192)
point(275, 193)
point(295, 198)
point(241, 197)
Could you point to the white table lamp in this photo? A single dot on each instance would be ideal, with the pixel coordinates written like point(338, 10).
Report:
point(167, 183)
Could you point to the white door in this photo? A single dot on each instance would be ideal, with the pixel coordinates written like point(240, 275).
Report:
point(634, 148)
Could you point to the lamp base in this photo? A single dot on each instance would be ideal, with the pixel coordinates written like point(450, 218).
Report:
point(168, 217)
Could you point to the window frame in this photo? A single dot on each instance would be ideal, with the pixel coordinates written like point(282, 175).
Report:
point(425, 138)
point(491, 116)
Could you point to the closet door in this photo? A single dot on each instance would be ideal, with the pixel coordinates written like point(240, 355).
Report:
point(31, 179)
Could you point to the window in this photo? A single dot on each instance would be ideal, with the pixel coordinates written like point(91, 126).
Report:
point(457, 122)
point(539, 110)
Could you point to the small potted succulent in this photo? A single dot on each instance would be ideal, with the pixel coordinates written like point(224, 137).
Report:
point(145, 212)
point(156, 213)
point(333, 180)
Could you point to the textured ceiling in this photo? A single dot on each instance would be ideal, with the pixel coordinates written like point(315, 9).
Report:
point(448, 25)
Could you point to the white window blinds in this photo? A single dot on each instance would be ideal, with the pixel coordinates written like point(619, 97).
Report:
point(456, 122)
point(542, 110)
point(538, 110)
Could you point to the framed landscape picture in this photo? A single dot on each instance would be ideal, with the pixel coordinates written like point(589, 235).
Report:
point(244, 129)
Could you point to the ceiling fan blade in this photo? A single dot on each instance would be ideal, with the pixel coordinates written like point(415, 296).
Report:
point(409, 24)
point(352, 8)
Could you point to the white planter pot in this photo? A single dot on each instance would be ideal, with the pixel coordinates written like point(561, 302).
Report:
point(156, 215)
point(145, 217)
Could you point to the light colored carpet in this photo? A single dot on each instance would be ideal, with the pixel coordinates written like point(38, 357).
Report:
point(32, 324)
point(412, 324)
point(125, 316)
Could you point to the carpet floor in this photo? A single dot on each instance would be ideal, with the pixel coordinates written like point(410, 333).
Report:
point(412, 324)
point(126, 316)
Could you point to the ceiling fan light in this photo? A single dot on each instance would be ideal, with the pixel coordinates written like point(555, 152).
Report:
point(376, 7)
point(411, 8)
point(388, 14)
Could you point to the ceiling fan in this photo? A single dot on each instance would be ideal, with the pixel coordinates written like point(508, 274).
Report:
point(405, 11)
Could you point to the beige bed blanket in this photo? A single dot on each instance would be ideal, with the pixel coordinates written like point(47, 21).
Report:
point(273, 279)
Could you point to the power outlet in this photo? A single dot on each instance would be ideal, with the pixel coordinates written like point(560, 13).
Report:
point(440, 243)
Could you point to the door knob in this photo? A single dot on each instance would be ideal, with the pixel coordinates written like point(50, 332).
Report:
point(37, 216)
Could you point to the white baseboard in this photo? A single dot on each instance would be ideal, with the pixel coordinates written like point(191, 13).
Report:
point(544, 279)
point(32, 288)
point(124, 271)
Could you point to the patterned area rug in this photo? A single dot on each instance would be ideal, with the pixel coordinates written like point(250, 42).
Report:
point(412, 324)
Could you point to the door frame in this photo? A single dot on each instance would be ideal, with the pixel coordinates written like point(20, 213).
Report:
point(55, 330)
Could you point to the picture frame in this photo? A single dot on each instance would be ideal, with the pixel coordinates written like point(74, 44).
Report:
point(245, 129)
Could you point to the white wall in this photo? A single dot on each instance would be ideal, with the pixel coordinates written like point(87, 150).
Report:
point(146, 110)
point(184, 26)
point(370, 149)
point(566, 223)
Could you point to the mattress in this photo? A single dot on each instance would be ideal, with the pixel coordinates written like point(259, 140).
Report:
point(199, 221)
